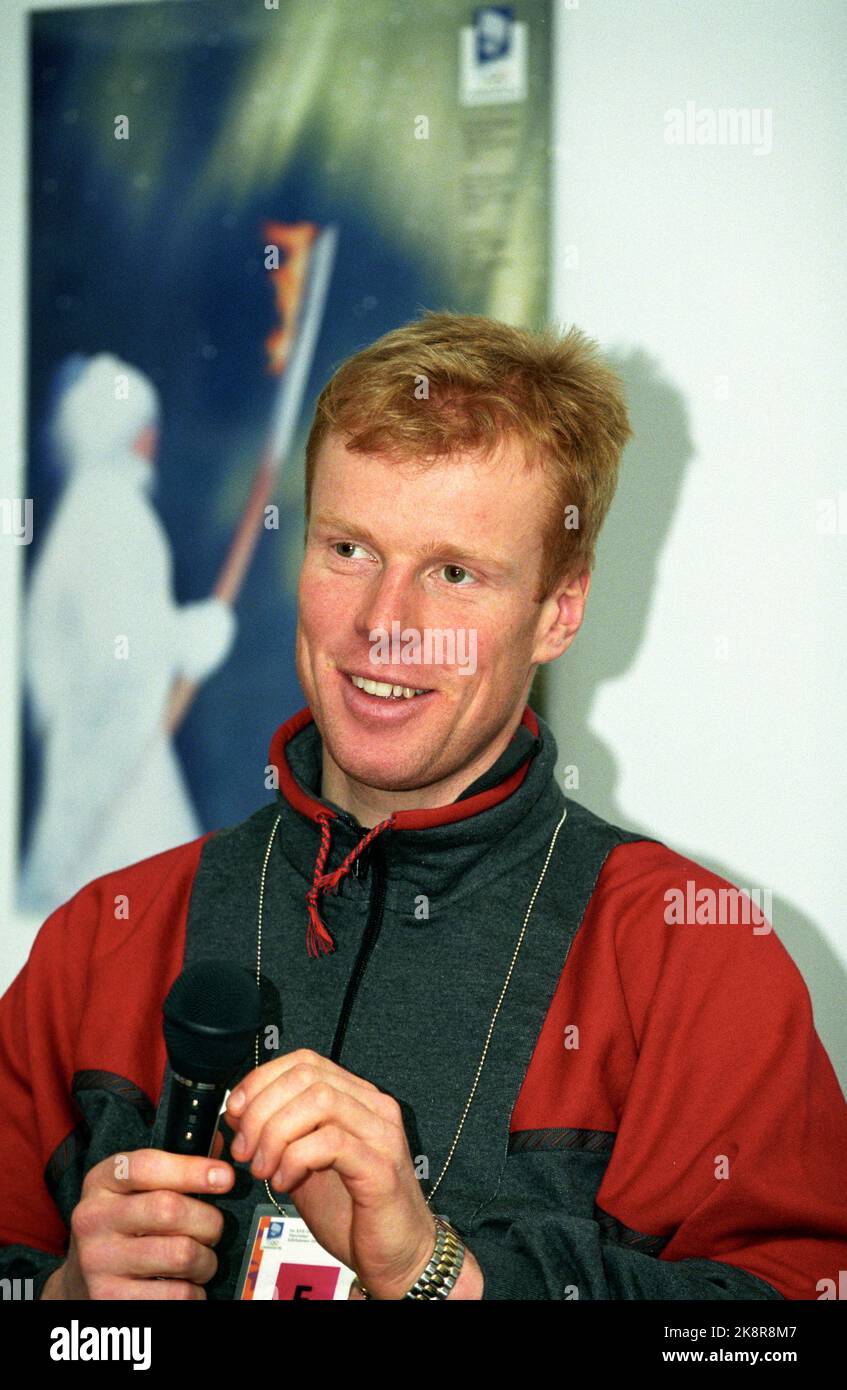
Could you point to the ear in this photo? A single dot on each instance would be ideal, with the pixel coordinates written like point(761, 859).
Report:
point(560, 618)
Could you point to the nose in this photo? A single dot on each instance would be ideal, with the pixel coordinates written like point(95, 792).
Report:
point(391, 597)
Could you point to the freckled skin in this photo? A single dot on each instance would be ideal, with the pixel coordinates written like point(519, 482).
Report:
point(348, 590)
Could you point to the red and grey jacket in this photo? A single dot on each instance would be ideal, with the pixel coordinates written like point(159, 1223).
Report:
point(651, 1116)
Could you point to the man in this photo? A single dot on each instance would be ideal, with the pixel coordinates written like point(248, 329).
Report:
point(487, 1048)
point(105, 640)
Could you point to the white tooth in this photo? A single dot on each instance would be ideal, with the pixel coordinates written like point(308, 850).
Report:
point(372, 687)
point(384, 690)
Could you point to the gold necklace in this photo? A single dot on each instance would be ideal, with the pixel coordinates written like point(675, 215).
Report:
point(473, 1089)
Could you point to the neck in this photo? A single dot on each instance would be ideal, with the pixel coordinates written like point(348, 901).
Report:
point(370, 805)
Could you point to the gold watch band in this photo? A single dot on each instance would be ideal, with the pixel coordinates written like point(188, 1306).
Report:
point(439, 1277)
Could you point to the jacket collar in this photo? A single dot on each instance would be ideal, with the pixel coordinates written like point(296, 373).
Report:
point(431, 848)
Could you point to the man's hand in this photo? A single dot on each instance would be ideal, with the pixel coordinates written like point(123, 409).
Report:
point(136, 1235)
point(336, 1144)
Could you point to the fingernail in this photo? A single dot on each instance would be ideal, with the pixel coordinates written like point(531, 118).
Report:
point(239, 1144)
point(258, 1159)
point(218, 1176)
point(236, 1100)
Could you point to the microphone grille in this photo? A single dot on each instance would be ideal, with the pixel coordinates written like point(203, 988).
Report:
point(211, 1016)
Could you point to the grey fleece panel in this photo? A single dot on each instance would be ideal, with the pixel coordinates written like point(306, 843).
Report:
point(549, 1255)
point(543, 1237)
point(109, 1124)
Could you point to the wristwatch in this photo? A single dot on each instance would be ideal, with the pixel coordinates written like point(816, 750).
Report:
point(440, 1275)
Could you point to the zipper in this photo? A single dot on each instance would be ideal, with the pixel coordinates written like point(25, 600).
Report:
point(377, 856)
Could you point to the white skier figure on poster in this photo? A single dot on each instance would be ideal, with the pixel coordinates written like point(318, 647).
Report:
point(105, 641)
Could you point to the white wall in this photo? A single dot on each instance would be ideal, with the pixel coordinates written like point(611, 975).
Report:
point(714, 277)
point(696, 264)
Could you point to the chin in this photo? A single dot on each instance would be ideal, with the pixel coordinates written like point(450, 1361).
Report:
point(380, 770)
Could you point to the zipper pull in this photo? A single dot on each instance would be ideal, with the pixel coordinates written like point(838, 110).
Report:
point(360, 864)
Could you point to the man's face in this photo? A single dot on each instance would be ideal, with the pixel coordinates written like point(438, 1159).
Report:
point(455, 549)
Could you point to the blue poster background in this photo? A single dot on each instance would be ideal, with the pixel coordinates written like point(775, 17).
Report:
point(154, 252)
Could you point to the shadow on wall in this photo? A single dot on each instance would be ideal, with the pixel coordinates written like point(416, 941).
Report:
point(628, 555)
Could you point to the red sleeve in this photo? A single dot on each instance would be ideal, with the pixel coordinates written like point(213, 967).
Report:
point(61, 1015)
point(39, 1019)
point(733, 1135)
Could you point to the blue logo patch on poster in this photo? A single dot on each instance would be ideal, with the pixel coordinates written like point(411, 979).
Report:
point(493, 57)
point(493, 32)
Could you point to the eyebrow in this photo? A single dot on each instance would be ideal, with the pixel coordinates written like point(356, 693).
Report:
point(449, 549)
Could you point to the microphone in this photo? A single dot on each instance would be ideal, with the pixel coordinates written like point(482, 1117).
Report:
point(211, 1016)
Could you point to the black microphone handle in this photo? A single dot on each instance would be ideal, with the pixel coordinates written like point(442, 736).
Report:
point(191, 1120)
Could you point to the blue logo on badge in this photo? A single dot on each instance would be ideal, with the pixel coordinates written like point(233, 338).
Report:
point(493, 32)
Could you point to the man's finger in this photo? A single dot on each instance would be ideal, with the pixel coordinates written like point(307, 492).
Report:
point(163, 1257)
point(147, 1170)
point(318, 1106)
point(158, 1289)
point(302, 1068)
point(165, 1213)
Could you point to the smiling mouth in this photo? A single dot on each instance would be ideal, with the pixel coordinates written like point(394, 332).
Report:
point(386, 690)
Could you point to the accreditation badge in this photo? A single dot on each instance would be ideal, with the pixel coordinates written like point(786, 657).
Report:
point(283, 1260)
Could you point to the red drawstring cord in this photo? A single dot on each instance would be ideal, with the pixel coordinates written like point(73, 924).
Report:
point(317, 936)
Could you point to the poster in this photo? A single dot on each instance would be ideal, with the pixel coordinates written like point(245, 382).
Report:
point(226, 200)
